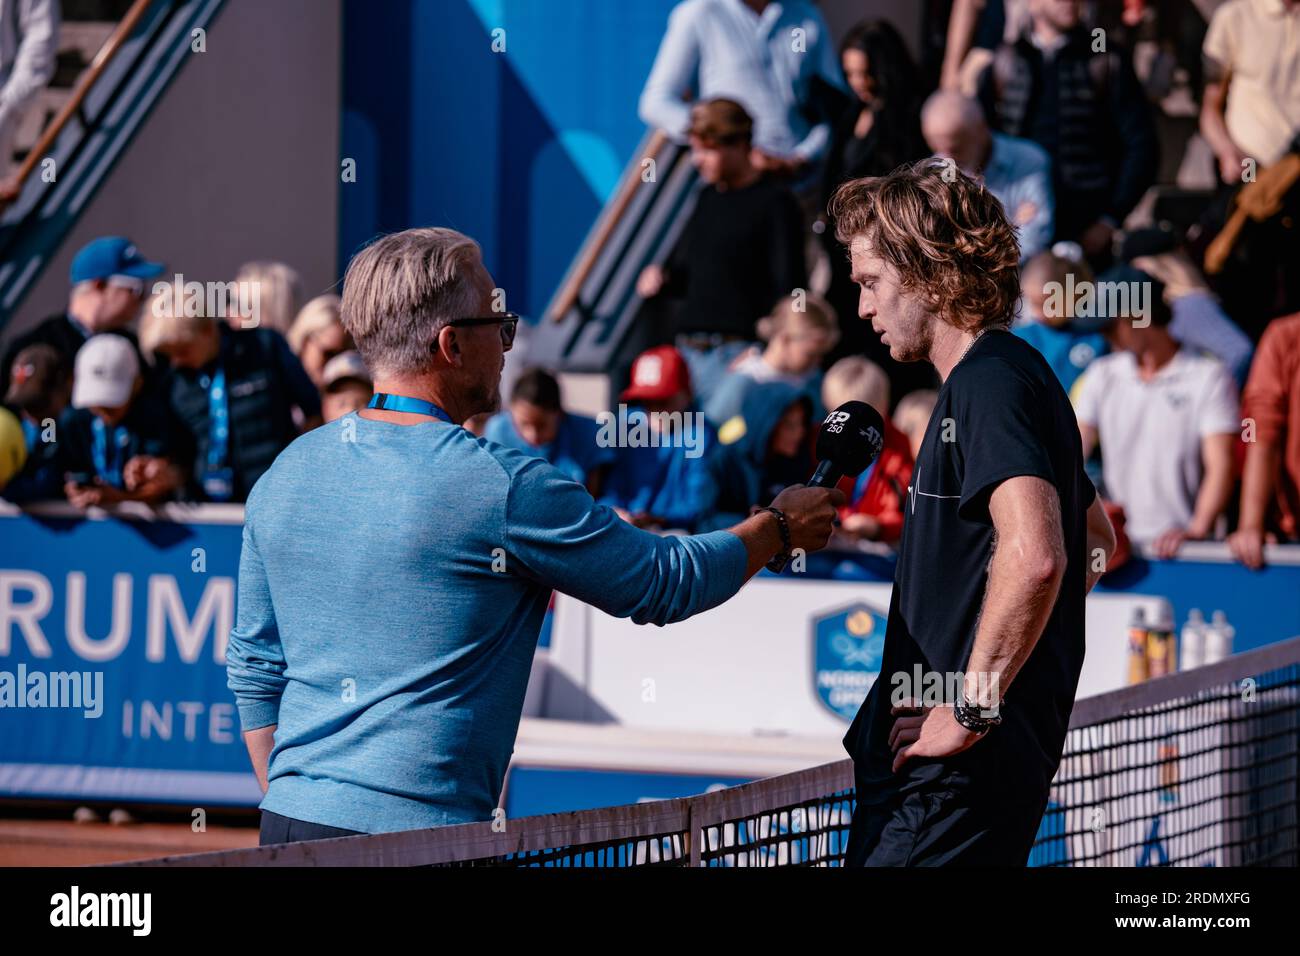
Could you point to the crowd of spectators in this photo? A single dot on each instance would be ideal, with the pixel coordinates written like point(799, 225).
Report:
point(132, 393)
point(1187, 396)
point(1061, 109)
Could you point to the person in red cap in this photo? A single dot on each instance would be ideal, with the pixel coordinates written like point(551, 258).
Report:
point(660, 476)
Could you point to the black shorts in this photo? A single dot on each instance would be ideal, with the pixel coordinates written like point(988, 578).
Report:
point(944, 827)
point(278, 829)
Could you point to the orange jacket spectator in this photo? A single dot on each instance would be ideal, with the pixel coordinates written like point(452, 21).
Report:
point(886, 488)
point(1272, 400)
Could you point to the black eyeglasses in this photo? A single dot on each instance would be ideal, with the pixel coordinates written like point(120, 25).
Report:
point(509, 325)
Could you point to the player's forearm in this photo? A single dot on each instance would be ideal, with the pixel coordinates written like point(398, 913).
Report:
point(1024, 580)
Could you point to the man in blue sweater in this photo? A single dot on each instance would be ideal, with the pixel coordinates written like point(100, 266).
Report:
point(395, 568)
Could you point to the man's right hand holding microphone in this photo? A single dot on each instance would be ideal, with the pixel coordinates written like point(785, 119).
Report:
point(802, 517)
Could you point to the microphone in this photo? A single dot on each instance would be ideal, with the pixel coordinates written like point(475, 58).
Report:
point(850, 440)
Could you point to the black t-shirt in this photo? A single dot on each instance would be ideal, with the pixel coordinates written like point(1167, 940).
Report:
point(1001, 414)
point(741, 251)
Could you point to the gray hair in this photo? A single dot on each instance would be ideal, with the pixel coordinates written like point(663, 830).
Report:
point(400, 291)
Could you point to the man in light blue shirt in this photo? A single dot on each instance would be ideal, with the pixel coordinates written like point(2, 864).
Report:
point(395, 569)
point(764, 55)
point(1018, 172)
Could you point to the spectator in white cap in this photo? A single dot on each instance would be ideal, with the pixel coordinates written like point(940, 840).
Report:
point(113, 445)
point(346, 385)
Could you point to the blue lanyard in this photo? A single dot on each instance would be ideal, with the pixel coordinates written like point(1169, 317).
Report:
point(411, 406)
point(218, 420)
point(108, 442)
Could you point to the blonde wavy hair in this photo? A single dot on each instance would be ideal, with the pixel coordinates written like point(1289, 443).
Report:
point(947, 236)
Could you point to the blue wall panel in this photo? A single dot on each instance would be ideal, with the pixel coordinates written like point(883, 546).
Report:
point(519, 149)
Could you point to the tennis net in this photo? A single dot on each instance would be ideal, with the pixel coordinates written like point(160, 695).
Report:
point(1198, 768)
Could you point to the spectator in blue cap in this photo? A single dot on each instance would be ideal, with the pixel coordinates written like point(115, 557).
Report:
point(109, 279)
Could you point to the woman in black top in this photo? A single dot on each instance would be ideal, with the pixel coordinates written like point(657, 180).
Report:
point(878, 130)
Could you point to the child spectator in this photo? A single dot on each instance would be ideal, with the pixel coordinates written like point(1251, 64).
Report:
point(1050, 325)
point(537, 424)
point(235, 392)
point(764, 450)
point(799, 333)
point(665, 480)
point(114, 444)
point(1166, 419)
point(875, 498)
point(912, 416)
point(317, 335)
point(40, 390)
point(346, 386)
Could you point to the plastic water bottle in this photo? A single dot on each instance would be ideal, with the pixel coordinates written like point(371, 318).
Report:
point(1192, 640)
point(1218, 638)
point(1137, 647)
point(1162, 656)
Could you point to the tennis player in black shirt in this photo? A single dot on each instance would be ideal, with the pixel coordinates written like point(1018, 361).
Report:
point(1003, 536)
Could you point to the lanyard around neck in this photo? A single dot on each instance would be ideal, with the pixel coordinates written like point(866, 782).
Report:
point(106, 449)
point(411, 406)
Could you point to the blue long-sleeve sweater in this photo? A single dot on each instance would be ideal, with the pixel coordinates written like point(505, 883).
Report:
point(391, 589)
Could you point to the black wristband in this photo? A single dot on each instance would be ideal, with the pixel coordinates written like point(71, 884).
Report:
point(778, 562)
point(972, 716)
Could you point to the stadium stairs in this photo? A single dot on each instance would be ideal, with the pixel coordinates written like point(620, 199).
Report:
point(596, 323)
point(116, 58)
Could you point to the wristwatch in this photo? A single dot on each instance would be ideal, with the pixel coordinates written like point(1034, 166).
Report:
point(971, 715)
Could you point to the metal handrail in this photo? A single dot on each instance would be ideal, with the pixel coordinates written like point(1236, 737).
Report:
point(591, 253)
point(85, 82)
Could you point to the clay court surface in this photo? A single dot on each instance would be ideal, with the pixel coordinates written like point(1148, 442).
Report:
point(65, 843)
